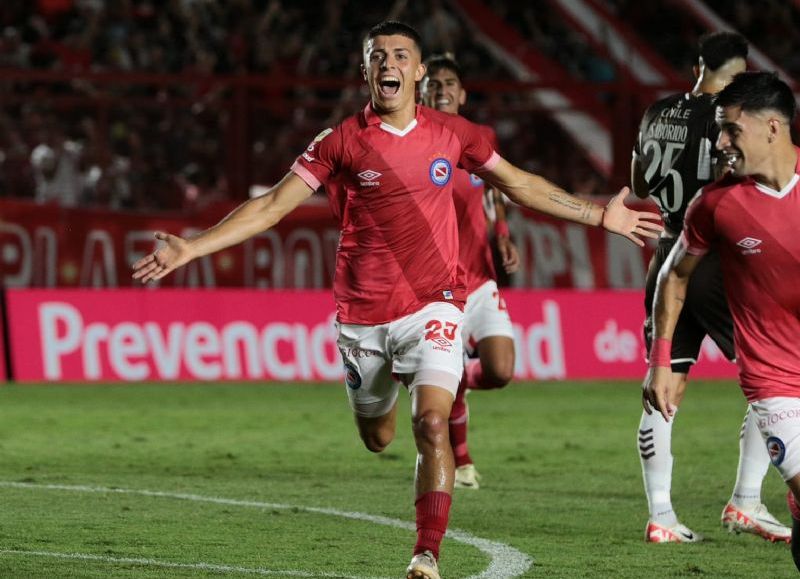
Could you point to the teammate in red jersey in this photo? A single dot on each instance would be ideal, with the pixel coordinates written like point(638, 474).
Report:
point(398, 288)
point(751, 219)
point(486, 328)
point(673, 158)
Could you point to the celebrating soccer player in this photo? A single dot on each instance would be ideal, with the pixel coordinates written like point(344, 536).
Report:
point(398, 288)
point(674, 156)
point(750, 217)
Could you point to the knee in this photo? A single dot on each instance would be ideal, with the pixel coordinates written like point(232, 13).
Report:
point(498, 375)
point(431, 428)
point(378, 439)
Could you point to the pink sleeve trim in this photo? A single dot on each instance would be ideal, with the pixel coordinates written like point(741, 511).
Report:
point(306, 176)
point(692, 249)
point(491, 163)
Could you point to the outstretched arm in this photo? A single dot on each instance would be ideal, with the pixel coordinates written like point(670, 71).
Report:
point(539, 194)
point(673, 278)
point(250, 218)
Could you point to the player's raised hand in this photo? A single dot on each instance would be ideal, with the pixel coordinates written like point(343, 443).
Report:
point(634, 225)
point(656, 392)
point(172, 254)
point(508, 254)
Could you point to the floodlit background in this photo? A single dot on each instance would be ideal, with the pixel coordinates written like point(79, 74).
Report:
point(121, 117)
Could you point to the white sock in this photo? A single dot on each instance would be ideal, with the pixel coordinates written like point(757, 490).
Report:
point(655, 454)
point(753, 463)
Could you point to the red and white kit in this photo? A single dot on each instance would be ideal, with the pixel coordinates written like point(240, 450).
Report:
point(393, 194)
point(755, 230)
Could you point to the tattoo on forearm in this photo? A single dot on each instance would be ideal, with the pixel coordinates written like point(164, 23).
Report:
point(563, 198)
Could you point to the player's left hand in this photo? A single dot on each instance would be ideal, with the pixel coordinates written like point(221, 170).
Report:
point(656, 393)
point(634, 225)
point(508, 254)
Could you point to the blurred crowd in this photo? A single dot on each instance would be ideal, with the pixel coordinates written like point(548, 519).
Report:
point(164, 117)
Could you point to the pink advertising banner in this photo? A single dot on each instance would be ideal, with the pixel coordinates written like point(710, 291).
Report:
point(165, 334)
point(3, 370)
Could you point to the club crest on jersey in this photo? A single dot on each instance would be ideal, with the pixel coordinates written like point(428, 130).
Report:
point(776, 449)
point(440, 171)
point(351, 376)
point(475, 181)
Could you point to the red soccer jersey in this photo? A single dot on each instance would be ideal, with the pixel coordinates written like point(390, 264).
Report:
point(475, 255)
point(755, 230)
point(392, 191)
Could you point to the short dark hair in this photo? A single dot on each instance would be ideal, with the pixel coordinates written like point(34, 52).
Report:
point(439, 62)
point(717, 48)
point(758, 91)
point(392, 27)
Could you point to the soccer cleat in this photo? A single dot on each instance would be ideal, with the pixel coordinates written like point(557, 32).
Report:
point(677, 533)
point(467, 477)
point(756, 520)
point(423, 566)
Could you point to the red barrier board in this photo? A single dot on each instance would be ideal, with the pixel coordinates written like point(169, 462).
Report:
point(142, 335)
point(48, 246)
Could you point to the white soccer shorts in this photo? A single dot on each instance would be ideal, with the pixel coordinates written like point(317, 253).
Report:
point(485, 315)
point(424, 347)
point(779, 422)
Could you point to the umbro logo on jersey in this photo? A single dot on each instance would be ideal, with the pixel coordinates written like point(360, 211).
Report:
point(369, 177)
point(749, 244)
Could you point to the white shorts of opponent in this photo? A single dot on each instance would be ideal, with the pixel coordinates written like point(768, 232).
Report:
point(779, 422)
point(485, 315)
point(423, 348)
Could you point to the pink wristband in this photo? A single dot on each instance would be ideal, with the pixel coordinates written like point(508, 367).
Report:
point(661, 353)
point(501, 228)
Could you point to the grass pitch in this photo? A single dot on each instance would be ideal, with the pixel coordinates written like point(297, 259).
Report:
point(562, 484)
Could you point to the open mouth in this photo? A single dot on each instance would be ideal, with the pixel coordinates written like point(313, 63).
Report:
point(389, 85)
point(732, 157)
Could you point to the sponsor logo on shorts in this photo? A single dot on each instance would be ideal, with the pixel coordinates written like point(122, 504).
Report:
point(369, 178)
point(776, 417)
point(448, 295)
point(475, 181)
point(749, 244)
point(776, 449)
point(359, 353)
point(351, 376)
point(440, 171)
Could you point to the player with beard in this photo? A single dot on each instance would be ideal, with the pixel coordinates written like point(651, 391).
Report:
point(750, 218)
point(674, 156)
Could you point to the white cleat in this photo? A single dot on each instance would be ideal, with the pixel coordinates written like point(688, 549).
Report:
point(756, 520)
point(677, 533)
point(423, 566)
point(467, 477)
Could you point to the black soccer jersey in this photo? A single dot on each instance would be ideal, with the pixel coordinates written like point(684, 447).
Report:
point(676, 150)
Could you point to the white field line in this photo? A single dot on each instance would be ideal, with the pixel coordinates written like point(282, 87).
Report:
point(171, 565)
point(506, 562)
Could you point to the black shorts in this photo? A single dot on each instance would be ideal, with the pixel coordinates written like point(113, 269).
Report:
point(705, 311)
